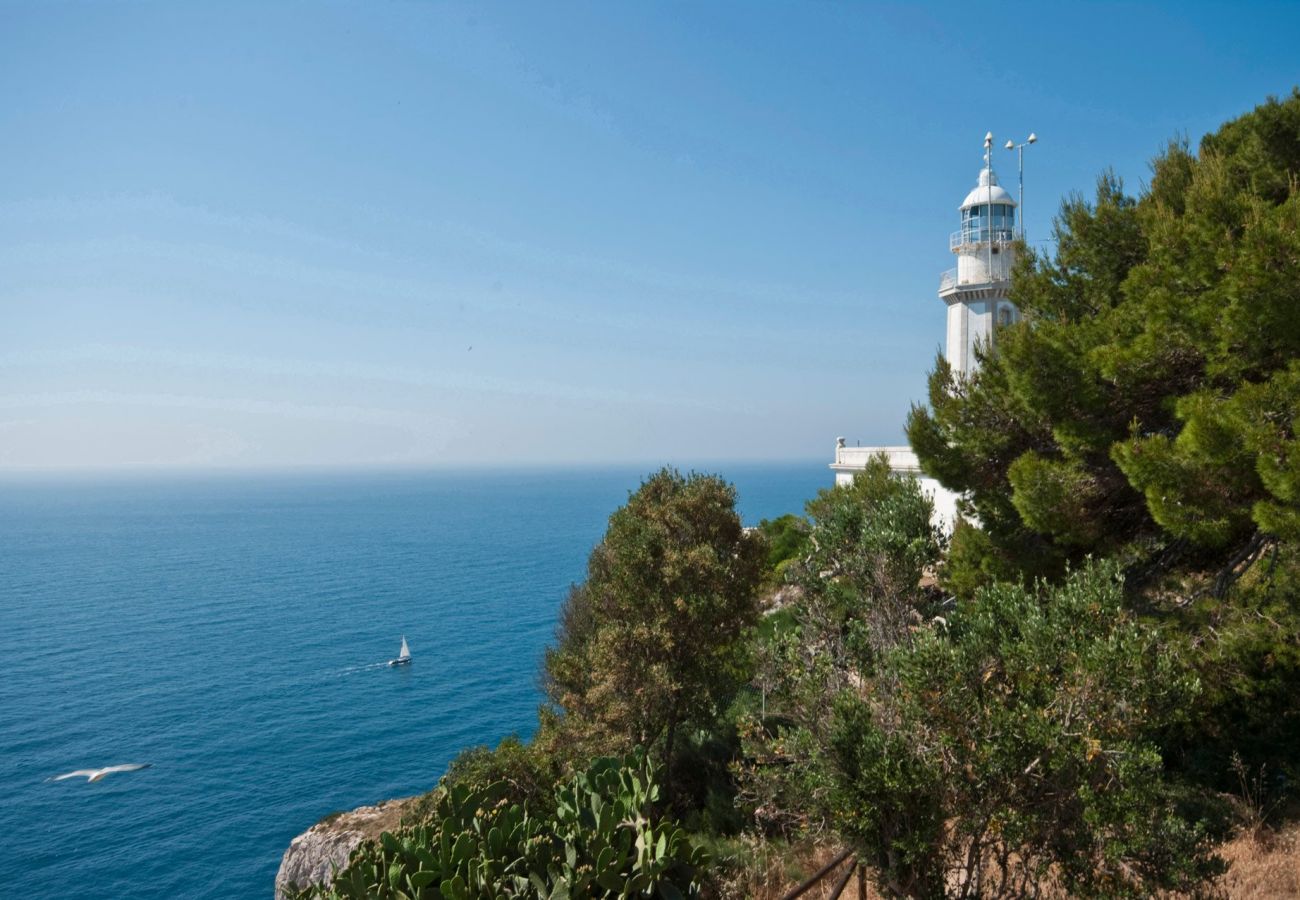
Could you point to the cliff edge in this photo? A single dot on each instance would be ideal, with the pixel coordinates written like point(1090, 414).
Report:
point(313, 854)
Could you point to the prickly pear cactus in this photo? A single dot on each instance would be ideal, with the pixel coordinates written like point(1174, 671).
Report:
point(478, 846)
point(612, 846)
point(602, 842)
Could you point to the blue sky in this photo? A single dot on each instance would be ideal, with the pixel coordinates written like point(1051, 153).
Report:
point(409, 234)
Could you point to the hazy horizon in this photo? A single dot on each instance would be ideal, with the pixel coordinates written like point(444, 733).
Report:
point(715, 466)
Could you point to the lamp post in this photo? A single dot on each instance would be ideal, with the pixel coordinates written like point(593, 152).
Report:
point(1012, 145)
point(988, 210)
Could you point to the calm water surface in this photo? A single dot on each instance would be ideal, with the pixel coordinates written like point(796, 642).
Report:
point(232, 630)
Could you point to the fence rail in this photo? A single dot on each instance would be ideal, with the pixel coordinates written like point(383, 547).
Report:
point(832, 869)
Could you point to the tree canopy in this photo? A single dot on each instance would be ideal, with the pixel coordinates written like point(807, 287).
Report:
point(654, 638)
point(1145, 409)
point(1147, 400)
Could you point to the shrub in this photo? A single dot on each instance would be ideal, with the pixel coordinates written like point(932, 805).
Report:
point(602, 840)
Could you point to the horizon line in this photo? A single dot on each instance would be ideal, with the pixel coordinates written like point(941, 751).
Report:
point(307, 469)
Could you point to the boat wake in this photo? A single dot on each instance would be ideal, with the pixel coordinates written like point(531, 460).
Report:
point(353, 669)
point(403, 658)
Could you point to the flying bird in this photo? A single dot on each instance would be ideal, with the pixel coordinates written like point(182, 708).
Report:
point(96, 774)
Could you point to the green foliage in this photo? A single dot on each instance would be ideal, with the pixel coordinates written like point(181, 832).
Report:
point(1146, 410)
point(972, 562)
point(1016, 739)
point(968, 438)
point(528, 772)
point(973, 752)
point(787, 542)
point(1148, 398)
point(612, 847)
point(871, 543)
point(775, 624)
point(705, 789)
point(656, 639)
point(1054, 496)
point(888, 799)
point(1230, 448)
point(601, 841)
point(1246, 648)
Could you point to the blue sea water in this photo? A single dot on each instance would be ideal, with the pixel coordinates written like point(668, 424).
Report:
point(232, 632)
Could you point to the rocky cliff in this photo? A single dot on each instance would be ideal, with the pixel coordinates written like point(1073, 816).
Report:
point(329, 842)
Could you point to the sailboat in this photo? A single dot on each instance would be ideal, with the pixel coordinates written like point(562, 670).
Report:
point(403, 656)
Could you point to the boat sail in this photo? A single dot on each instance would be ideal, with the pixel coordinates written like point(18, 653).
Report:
point(403, 656)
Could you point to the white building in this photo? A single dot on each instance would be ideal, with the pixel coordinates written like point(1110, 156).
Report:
point(975, 293)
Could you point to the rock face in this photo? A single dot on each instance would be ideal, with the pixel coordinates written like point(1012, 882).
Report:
point(781, 597)
point(312, 854)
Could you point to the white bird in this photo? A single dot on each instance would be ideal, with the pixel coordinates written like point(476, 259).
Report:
point(96, 774)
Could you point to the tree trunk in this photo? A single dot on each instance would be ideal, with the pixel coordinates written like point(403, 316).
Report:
point(670, 796)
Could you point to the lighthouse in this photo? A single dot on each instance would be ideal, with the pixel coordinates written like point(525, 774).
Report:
point(976, 294)
point(976, 291)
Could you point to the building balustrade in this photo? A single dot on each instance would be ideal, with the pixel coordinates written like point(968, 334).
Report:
point(901, 459)
point(971, 236)
point(950, 280)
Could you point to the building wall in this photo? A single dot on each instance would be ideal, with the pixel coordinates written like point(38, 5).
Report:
point(903, 463)
point(975, 267)
point(958, 339)
point(969, 322)
point(945, 503)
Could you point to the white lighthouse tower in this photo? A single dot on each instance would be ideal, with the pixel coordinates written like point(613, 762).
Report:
point(976, 291)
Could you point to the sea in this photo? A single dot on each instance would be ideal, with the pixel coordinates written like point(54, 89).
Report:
point(232, 631)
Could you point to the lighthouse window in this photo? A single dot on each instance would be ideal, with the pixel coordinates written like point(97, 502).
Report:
point(977, 221)
point(1003, 218)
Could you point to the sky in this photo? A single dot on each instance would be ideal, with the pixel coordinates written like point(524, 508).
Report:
point(280, 235)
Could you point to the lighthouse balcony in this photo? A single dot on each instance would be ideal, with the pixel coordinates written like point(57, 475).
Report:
point(953, 280)
point(975, 237)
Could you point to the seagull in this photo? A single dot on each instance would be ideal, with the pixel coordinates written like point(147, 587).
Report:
point(96, 774)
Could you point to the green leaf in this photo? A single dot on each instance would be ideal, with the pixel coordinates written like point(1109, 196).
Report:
point(669, 891)
point(422, 879)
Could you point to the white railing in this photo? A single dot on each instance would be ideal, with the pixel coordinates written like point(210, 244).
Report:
point(967, 237)
point(901, 459)
point(950, 280)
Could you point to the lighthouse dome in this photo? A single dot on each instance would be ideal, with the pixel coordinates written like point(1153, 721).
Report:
point(987, 191)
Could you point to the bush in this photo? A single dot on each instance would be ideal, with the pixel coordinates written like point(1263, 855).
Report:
point(656, 641)
point(787, 542)
point(602, 840)
point(1020, 739)
point(528, 772)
